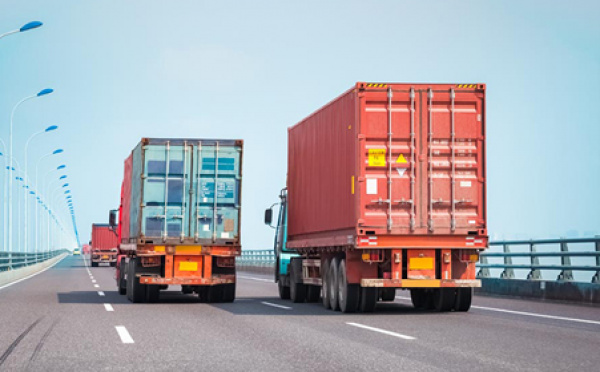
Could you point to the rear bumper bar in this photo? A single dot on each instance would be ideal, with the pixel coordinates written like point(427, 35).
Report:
point(223, 279)
point(421, 283)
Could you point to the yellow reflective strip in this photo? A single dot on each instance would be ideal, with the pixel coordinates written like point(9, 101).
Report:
point(159, 248)
point(421, 283)
point(188, 249)
point(352, 184)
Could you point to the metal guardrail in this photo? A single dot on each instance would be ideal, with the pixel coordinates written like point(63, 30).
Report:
point(15, 260)
point(266, 258)
point(566, 268)
point(257, 258)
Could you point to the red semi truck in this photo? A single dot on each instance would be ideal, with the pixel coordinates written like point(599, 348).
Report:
point(103, 245)
point(386, 190)
point(179, 218)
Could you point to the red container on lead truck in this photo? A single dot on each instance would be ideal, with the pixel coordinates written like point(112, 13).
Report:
point(179, 218)
point(386, 190)
point(103, 245)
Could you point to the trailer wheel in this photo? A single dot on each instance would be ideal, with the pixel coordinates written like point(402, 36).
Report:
point(313, 293)
point(368, 299)
point(215, 294)
point(152, 293)
point(284, 291)
point(333, 283)
point(229, 292)
point(202, 293)
point(135, 291)
point(348, 294)
point(297, 288)
point(388, 294)
point(122, 282)
point(463, 299)
point(444, 299)
point(325, 283)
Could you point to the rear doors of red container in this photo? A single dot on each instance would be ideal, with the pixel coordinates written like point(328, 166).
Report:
point(422, 160)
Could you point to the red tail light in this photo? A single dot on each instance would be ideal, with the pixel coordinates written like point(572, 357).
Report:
point(469, 256)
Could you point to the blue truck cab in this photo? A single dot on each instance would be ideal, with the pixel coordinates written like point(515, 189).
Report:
point(283, 256)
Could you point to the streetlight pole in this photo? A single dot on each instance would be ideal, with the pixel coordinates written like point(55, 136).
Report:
point(49, 129)
point(55, 152)
point(4, 191)
point(10, 155)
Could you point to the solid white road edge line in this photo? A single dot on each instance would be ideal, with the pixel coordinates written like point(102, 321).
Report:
point(32, 275)
point(258, 279)
point(108, 307)
point(525, 313)
point(276, 305)
point(100, 293)
point(389, 333)
point(125, 336)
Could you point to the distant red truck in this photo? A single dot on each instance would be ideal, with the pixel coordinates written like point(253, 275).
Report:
point(103, 245)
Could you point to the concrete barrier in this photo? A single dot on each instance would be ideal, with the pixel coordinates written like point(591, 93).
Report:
point(8, 277)
point(540, 289)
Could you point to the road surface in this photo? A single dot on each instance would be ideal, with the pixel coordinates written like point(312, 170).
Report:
point(70, 318)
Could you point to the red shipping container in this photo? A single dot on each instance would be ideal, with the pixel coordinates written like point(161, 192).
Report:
point(390, 165)
point(103, 238)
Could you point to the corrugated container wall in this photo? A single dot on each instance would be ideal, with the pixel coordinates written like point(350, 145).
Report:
point(185, 190)
point(103, 237)
point(389, 159)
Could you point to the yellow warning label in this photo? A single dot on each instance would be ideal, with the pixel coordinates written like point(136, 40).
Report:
point(377, 157)
point(401, 159)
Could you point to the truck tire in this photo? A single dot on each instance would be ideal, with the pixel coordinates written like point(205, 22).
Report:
point(113, 264)
point(215, 294)
point(388, 294)
point(313, 293)
point(325, 283)
point(229, 292)
point(94, 264)
point(122, 285)
point(348, 294)
point(284, 291)
point(419, 298)
point(463, 299)
point(368, 299)
point(202, 293)
point(297, 288)
point(136, 292)
point(332, 285)
point(444, 299)
point(152, 293)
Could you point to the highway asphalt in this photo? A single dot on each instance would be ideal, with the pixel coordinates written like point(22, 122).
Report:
point(71, 318)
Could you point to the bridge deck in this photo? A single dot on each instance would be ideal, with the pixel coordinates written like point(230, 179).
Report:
point(58, 321)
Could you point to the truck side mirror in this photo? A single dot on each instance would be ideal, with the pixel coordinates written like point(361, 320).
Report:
point(268, 216)
point(112, 219)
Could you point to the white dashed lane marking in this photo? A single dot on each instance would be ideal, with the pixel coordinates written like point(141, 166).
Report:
point(276, 305)
point(124, 334)
point(385, 332)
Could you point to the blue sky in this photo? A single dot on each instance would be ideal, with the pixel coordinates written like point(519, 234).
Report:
point(233, 69)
